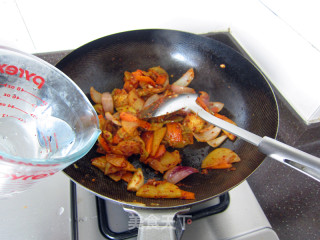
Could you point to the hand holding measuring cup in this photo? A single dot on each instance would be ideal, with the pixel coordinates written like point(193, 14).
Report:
point(46, 121)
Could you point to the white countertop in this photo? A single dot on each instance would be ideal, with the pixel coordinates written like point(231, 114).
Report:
point(43, 212)
point(287, 50)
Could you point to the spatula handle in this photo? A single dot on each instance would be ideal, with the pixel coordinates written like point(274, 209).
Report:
point(301, 161)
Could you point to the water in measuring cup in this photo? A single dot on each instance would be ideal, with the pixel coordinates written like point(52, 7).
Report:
point(31, 139)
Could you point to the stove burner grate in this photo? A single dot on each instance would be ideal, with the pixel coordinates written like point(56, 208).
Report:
point(106, 231)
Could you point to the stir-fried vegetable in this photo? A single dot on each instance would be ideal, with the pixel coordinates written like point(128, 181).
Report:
point(124, 134)
point(178, 173)
point(163, 189)
point(220, 158)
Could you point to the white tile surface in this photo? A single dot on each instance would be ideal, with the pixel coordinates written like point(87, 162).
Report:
point(287, 59)
point(13, 32)
point(302, 16)
point(60, 24)
point(42, 212)
point(275, 38)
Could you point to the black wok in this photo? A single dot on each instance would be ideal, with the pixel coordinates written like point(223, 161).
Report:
point(248, 98)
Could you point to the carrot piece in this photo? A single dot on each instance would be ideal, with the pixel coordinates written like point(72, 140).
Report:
point(103, 143)
point(141, 78)
point(223, 165)
point(146, 79)
point(144, 124)
point(116, 139)
point(187, 195)
point(161, 151)
point(128, 117)
point(137, 74)
point(159, 75)
point(230, 135)
point(157, 139)
point(202, 104)
point(131, 118)
point(102, 122)
point(218, 115)
point(174, 132)
point(161, 79)
point(147, 137)
point(129, 85)
point(129, 81)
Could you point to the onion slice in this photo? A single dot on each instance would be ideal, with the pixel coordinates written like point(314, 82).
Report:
point(180, 90)
point(107, 102)
point(207, 135)
point(205, 97)
point(215, 106)
point(150, 100)
point(178, 173)
point(95, 95)
point(217, 141)
point(186, 79)
point(112, 118)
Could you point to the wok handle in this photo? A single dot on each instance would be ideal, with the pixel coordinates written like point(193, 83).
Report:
point(156, 224)
point(299, 160)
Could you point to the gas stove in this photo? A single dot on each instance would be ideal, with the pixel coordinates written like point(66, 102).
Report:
point(234, 215)
point(58, 209)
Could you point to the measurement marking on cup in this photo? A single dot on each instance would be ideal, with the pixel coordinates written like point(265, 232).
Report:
point(44, 102)
point(7, 85)
point(14, 107)
point(33, 105)
point(56, 140)
point(25, 91)
point(16, 97)
point(11, 106)
point(20, 119)
point(18, 109)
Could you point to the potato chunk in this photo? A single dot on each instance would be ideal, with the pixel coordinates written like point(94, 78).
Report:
point(162, 189)
point(99, 162)
point(220, 158)
point(120, 97)
point(110, 168)
point(136, 181)
point(135, 100)
point(117, 160)
point(194, 122)
point(157, 138)
point(167, 161)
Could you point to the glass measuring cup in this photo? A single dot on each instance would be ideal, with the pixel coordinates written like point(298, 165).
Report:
point(46, 121)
